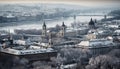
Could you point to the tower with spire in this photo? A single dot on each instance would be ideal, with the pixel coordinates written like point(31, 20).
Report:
point(63, 29)
point(91, 24)
point(44, 30)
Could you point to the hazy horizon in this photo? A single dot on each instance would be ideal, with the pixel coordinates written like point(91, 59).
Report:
point(87, 3)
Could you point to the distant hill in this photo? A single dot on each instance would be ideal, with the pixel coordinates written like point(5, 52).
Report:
point(34, 12)
point(115, 12)
point(21, 7)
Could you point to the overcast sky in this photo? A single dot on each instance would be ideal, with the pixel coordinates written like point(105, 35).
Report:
point(92, 3)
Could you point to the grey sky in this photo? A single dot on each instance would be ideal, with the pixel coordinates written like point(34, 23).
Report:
point(92, 3)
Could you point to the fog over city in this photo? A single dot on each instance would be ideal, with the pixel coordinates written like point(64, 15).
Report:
point(35, 9)
point(59, 34)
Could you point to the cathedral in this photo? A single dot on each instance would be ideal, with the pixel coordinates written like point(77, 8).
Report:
point(91, 24)
point(51, 33)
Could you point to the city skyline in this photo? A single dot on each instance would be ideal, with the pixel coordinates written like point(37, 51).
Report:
point(88, 3)
point(59, 34)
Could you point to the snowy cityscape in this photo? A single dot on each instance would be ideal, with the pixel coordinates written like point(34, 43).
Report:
point(59, 36)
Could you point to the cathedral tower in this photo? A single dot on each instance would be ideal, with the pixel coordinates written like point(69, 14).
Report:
point(44, 30)
point(91, 24)
point(63, 29)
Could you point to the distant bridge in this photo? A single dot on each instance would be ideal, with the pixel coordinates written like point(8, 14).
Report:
point(90, 15)
point(87, 15)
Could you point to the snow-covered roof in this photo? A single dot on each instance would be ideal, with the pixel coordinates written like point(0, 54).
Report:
point(113, 26)
point(95, 42)
point(117, 31)
point(70, 65)
point(27, 51)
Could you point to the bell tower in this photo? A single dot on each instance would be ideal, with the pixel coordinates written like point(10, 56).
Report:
point(63, 29)
point(44, 31)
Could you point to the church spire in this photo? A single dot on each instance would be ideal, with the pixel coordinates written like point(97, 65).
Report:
point(63, 24)
point(91, 20)
point(63, 29)
point(44, 25)
point(44, 29)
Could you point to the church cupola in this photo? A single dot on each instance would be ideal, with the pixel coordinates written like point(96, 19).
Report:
point(91, 24)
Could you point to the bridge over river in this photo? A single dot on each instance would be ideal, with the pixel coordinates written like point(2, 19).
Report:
point(104, 15)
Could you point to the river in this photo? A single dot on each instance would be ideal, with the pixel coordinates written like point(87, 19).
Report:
point(50, 23)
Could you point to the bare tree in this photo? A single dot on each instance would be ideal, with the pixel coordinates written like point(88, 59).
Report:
point(103, 62)
point(41, 65)
point(115, 53)
point(72, 55)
